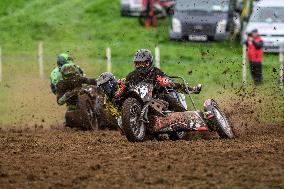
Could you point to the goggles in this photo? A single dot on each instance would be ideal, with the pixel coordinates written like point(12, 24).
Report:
point(141, 64)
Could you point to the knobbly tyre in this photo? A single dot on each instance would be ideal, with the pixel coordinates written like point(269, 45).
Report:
point(86, 110)
point(144, 116)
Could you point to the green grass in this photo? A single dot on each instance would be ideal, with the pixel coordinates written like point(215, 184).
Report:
point(85, 28)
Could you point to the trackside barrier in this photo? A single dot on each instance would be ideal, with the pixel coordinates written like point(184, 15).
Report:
point(157, 63)
point(40, 59)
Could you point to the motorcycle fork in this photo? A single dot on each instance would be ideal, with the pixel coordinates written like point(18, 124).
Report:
point(144, 113)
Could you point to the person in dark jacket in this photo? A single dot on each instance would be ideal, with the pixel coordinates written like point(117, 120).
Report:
point(55, 75)
point(145, 71)
point(255, 55)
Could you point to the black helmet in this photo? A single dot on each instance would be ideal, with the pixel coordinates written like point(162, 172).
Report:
point(107, 83)
point(143, 59)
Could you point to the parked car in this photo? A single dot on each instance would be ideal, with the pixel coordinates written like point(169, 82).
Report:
point(268, 17)
point(131, 7)
point(204, 20)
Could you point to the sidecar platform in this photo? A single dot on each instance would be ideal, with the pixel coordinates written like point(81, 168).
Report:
point(180, 121)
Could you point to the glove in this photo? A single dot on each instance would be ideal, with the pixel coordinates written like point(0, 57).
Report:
point(69, 94)
point(53, 88)
point(163, 81)
point(196, 89)
point(121, 87)
point(62, 100)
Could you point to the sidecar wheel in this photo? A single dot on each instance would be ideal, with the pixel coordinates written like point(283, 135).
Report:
point(70, 119)
point(181, 135)
point(222, 124)
point(86, 117)
point(134, 129)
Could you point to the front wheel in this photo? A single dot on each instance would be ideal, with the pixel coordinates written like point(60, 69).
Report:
point(134, 128)
point(221, 123)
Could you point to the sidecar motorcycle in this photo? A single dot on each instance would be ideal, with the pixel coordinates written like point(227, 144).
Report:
point(86, 110)
point(144, 116)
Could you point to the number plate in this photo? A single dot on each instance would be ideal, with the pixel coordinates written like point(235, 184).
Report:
point(198, 37)
point(144, 90)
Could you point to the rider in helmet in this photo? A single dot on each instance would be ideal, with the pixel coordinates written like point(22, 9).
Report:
point(113, 89)
point(71, 80)
point(145, 71)
point(55, 75)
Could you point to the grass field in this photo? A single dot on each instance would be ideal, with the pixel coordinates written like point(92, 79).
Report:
point(85, 28)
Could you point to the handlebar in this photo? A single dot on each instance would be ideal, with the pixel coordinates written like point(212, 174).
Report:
point(188, 92)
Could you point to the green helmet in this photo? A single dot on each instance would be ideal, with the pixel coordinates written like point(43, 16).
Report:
point(62, 59)
point(55, 75)
point(69, 71)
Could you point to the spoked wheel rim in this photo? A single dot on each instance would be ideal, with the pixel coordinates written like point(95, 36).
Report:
point(180, 134)
point(90, 115)
point(90, 112)
point(136, 125)
point(223, 122)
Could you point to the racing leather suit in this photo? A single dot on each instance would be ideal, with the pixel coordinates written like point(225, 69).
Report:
point(66, 88)
point(56, 76)
point(160, 81)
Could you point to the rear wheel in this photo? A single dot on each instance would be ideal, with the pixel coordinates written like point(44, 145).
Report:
point(87, 117)
point(70, 119)
point(222, 124)
point(134, 128)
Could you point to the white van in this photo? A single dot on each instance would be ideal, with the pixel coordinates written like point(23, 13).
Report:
point(268, 18)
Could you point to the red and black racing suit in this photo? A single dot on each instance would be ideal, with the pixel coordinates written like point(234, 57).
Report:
point(160, 82)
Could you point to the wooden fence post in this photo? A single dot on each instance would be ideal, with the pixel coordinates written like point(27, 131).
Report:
point(281, 64)
point(1, 76)
point(157, 57)
point(40, 59)
point(244, 65)
point(108, 57)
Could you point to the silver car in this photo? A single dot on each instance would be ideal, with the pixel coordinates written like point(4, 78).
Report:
point(268, 18)
point(131, 7)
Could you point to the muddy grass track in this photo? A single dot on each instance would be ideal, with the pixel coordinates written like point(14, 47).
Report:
point(62, 158)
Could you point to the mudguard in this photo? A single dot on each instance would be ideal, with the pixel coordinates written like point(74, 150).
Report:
point(208, 109)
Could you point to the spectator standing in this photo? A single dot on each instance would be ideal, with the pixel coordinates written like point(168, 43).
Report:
point(151, 19)
point(254, 45)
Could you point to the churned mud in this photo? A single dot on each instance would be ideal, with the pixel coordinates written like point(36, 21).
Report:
point(65, 158)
